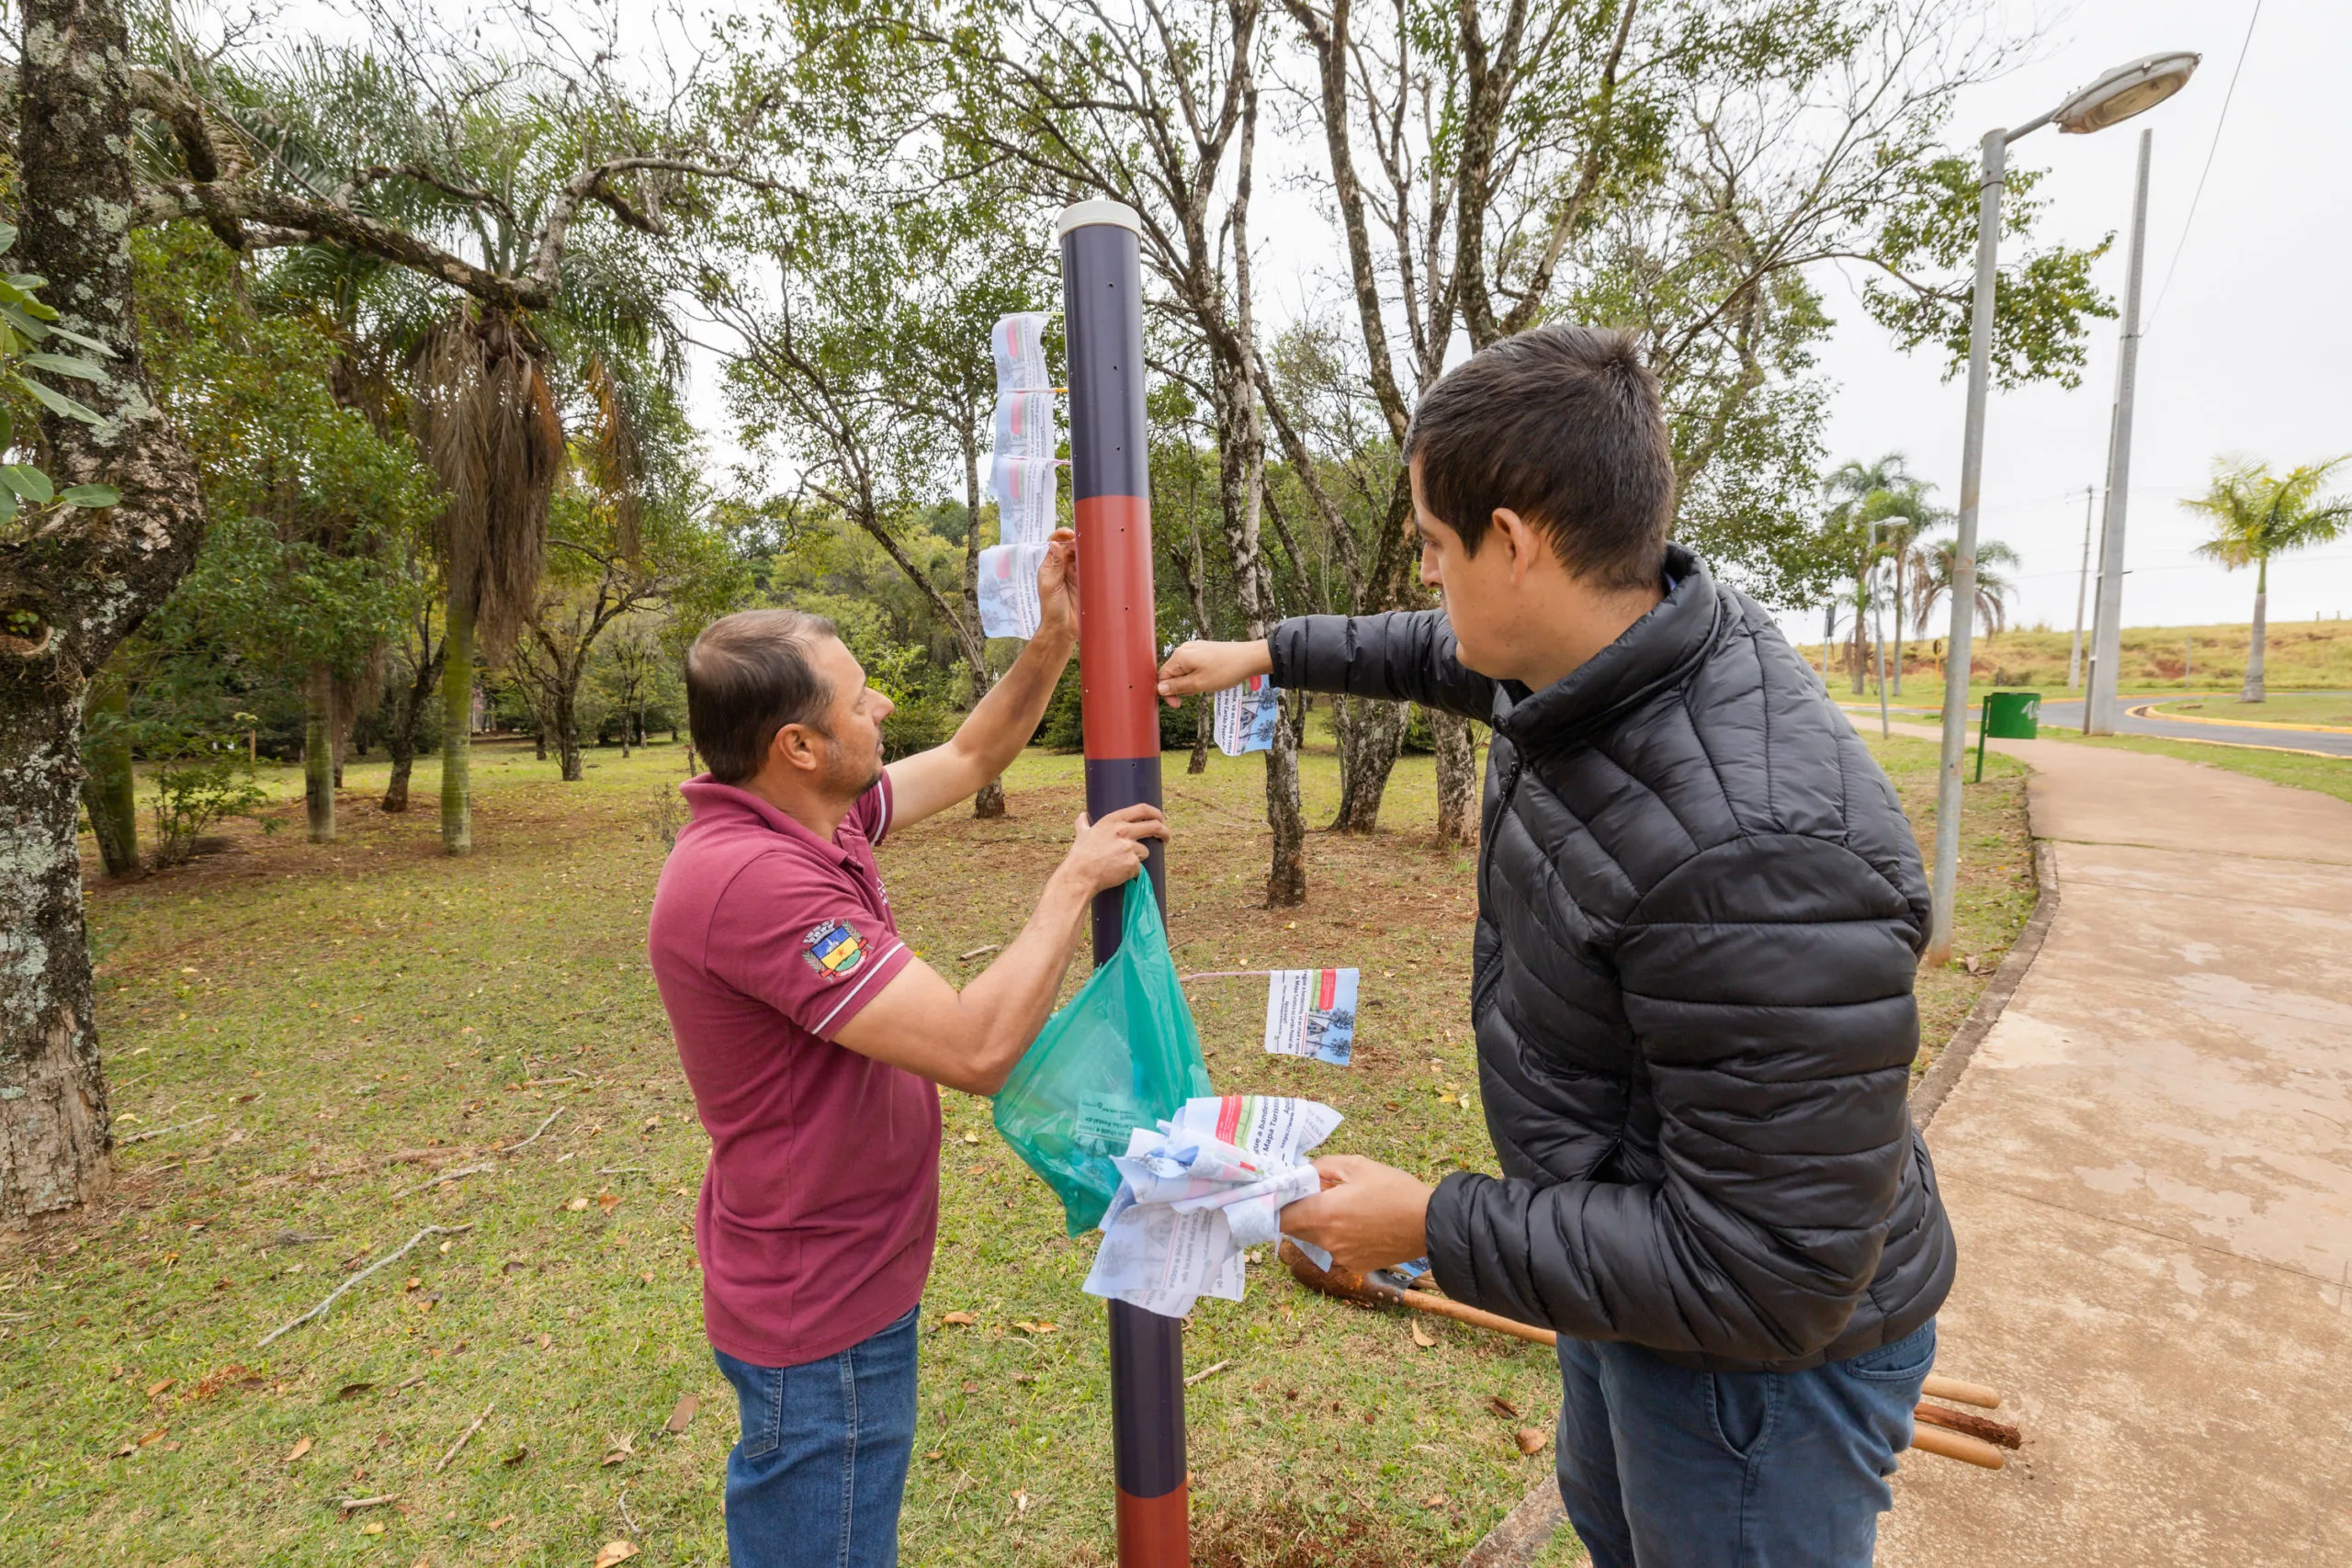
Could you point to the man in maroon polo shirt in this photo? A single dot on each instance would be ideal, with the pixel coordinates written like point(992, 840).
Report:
point(815, 1039)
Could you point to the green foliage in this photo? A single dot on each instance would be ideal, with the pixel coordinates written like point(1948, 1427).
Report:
point(309, 501)
point(2255, 514)
point(2044, 300)
point(208, 779)
point(1064, 726)
point(26, 322)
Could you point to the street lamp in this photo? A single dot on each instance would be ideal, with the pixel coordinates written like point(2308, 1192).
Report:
point(2117, 95)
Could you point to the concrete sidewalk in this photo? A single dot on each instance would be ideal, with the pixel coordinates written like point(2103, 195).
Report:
point(2149, 1163)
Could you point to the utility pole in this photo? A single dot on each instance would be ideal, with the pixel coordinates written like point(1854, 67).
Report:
point(2074, 649)
point(2099, 710)
point(2127, 90)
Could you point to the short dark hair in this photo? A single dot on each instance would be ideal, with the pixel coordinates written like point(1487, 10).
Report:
point(1562, 425)
point(748, 676)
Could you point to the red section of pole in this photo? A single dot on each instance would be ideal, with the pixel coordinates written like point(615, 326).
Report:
point(1118, 670)
point(1102, 294)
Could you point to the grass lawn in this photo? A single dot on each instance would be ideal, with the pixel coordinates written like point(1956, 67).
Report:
point(2333, 708)
point(2311, 655)
point(303, 1038)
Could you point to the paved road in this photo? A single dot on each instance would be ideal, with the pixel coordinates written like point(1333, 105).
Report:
point(2067, 714)
point(2148, 1162)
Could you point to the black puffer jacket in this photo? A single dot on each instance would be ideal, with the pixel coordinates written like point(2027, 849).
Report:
point(1699, 912)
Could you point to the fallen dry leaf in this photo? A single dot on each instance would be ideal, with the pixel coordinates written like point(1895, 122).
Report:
point(623, 1448)
point(1530, 1439)
point(1038, 1327)
point(373, 1527)
point(546, 1340)
point(159, 1385)
point(353, 1390)
point(1421, 1335)
point(297, 1451)
point(152, 1436)
point(960, 1319)
point(500, 1523)
point(614, 1551)
point(517, 1456)
point(608, 1199)
point(1502, 1407)
point(682, 1412)
point(575, 1206)
point(415, 1282)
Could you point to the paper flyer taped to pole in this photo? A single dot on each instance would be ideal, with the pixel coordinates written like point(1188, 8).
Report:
point(1312, 1012)
point(1245, 716)
point(1024, 425)
point(1024, 489)
point(1008, 590)
point(1018, 341)
point(1197, 1189)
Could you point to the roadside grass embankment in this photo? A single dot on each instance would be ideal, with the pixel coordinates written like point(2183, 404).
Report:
point(317, 1051)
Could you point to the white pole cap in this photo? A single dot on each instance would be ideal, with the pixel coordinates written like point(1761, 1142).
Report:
point(1099, 210)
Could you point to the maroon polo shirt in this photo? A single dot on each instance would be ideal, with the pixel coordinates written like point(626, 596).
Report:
point(821, 1201)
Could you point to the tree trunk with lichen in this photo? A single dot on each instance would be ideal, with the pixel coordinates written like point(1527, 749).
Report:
point(72, 587)
point(457, 730)
point(1371, 735)
point(110, 792)
point(318, 754)
point(1457, 778)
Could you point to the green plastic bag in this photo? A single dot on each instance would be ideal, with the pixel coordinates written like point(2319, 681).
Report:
point(1123, 1054)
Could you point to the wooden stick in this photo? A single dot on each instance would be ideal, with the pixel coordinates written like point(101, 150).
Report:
point(175, 1127)
point(535, 1136)
point(1351, 1286)
point(320, 1310)
point(1956, 1445)
point(466, 1436)
point(1961, 1393)
point(1996, 1432)
point(459, 1174)
point(1207, 1372)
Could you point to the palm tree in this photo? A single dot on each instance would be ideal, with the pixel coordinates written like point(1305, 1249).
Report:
point(1903, 514)
point(2256, 515)
point(1851, 489)
point(1931, 575)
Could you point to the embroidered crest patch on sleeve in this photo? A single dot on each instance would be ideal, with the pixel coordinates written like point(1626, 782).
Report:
point(834, 948)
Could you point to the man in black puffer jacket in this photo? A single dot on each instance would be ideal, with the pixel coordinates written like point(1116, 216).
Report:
point(1700, 914)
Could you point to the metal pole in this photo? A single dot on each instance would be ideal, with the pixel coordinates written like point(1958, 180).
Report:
point(1946, 881)
point(2099, 711)
point(1878, 635)
point(2082, 581)
point(1110, 481)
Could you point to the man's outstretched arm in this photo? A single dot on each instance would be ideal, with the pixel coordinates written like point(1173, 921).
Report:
point(1000, 724)
point(1405, 655)
point(970, 1039)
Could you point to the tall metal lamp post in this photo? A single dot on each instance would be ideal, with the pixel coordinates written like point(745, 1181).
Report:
point(2123, 92)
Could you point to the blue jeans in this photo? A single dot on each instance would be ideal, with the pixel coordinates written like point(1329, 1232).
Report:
point(1661, 1467)
point(816, 1479)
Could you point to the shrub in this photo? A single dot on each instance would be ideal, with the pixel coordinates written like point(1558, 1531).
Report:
point(209, 781)
point(920, 721)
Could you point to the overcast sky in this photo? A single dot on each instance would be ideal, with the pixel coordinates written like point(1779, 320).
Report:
point(2249, 350)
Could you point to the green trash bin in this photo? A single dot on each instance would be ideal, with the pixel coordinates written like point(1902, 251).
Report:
point(2011, 716)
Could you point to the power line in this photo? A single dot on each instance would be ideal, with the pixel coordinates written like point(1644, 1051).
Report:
point(2173, 265)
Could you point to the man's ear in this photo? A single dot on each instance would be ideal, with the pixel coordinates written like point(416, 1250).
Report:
point(1522, 540)
point(795, 746)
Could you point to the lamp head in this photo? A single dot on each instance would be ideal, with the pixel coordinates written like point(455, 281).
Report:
point(2125, 91)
